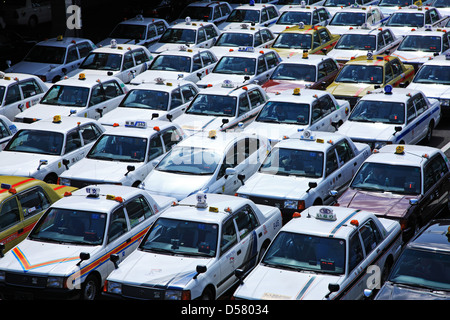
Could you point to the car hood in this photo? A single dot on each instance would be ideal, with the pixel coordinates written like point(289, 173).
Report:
point(173, 184)
point(161, 47)
point(342, 54)
point(385, 204)
point(338, 29)
point(432, 90)
point(151, 75)
point(220, 51)
point(149, 269)
point(287, 187)
point(45, 111)
point(392, 291)
point(31, 67)
point(273, 131)
point(91, 73)
point(107, 41)
point(216, 79)
point(367, 130)
point(192, 123)
point(122, 114)
point(45, 258)
point(273, 86)
point(267, 283)
point(29, 162)
point(349, 89)
point(413, 56)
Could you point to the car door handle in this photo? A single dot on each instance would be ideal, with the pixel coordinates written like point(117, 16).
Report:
point(239, 252)
point(355, 163)
point(260, 235)
point(19, 231)
point(128, 240)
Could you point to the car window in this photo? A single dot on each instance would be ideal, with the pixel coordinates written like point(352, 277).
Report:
point(420, 103)
point(207, 58)
point(72, 54)
point(188, 92)
point(410, 111)
point(256, 98)
point(434, 171)
point(127, 61)
point(327, 104)
point(244, 105)
point(331, 164)
point(138, 210)
point(112, 90)
point(33, 201)
point(117, 225)
point(197, 63)
point(344, 151)
point(171, 137)
point(272, 12)
point(272, 60)
point(201, 37)
point(316, 111)
point(262, 67)
point(355, 254)
point(30, 88)
point(370, 235)
point(140, 56)
point(151, 32)
point(9, 213)
point(210, 32)
point(176, 99)
point(13, 94)
point(324, 36)
point(73, 141)
point(84, 48)
point(246, 221)
point(4, 132)
point(160, 27)
point(90, 133)
point(228, 237)
point(155, 148)
point(216, 13)
point(264, 15)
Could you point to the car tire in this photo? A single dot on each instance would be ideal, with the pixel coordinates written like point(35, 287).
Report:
point(51, 178)
point(429, 135)
point(207, 294)
point(90, 288)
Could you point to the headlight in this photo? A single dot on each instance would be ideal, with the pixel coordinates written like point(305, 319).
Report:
point(173, 295)
point(114, 287)
point(445, 102)
point(55, 282)
point(242, 195)
point(64, 181)
point(2, 276)
point(290, 204)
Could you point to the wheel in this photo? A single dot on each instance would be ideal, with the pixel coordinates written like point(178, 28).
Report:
point(207, 295)
point(51, 178)
point(429, 132)
point(261, 253)
point(90, 288)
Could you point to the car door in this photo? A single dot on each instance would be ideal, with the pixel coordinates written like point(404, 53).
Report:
point(348, 163)
point(246, 223)
point(262, 71)
point(31, 91)
point(109, 94)
point(72, 59)
point(12, 103)
point(74, 150)
point(129, 68)
point(10, 222)
point(228, 257)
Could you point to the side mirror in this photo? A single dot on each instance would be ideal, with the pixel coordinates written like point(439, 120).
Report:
point(398, 129)
point(246, 78)
point(100, 111)
point(239, 273)
point(169, 117)
point(66, 163)
point(230, 171)
point(42, 163)
point(311, 185)
point(332, 287)
point(241, 178)
point(154, 115)
point(83, 256)
point(129, 169)
point(199, 75)
point(2, 248)
point(200, 269)
point(224, 122)
point(114, 259)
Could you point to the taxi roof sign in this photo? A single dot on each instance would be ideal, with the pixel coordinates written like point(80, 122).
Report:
point(93, 191)
point(326, 214)
point(400, 150)
point(136, 124)
point(246, 49)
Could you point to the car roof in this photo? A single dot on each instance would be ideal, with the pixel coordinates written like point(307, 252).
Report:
point(50, 124)
point(378, 60)
point(205, 3)
point(62, 42)
point(440, 60)
point(9, 78)
point(364, 30)
point(398, 95)
point(18, 184)
point(131, 128)
point(304, 29)
point(310, 59)
point(160, 85)
point(140, 20)
point(319, 141)
point(88, 82)
point(304, 96)
point(236, 90)
point(183, 51)
point(434, 236)
point(428, 32)
point(119, 48)
point(413, 155)
point(257, 6)
point(252, 53)
point(193, 25)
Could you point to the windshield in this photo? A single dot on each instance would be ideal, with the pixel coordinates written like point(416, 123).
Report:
point(378, 111)
point(396, 3)
point(399, 19)
point(387, 177)
point(284, 112)
point(357, 42)
point(435, 74)
point(172, 63)
point(293, 41)
point(190, 160)
point(338, 3)
point(213, 105)
point(119, 148)
point(146, 99)
point(424, 269)
point(232, 39)
point(441, 4)
point(293, 162)
point(36, 141)
point(129, 31)
point(174, 35)
point(70, 226)
point(66, 96)
point(293, 17)
point(181, 237)
point(420, 43)
point(348, 19)
point(196, 13)
point(236, 65)
point(46, 54)
point(300, 252)
point(298, 72)
point(243, 15)
point(360, 74)
point(102, 61)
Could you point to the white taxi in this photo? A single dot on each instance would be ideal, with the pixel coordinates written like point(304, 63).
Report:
point(139, 30)
point(392, 115)
point(388, 7)
point(358, 41)
point(257, 14)
point(210, 162)
point(149, 100)
point(7, 130)
point(88, 97)
point(420, 46)
point(183, 63)
point(222, 108)
point(124, 155)
point(66, 255)
point(244, 36)
point(355, 16)
point(19, 91)
point(122, 61)
point(46, 148)
point(433, 79)
point(246, 65)
point(334, 6)
point(304, 169)
point(194, 248)
point(288, 112)
point(189, 33)
point(326, 253)
point(206, 11)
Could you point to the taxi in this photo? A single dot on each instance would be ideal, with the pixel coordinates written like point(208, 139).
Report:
point(305, 168)
point(420, 46)
point(121, 61)
point(66, 255)
point(325, 253)
point(314, 39)
point(54, 58)
point(149, 100)
point(207, 11)
point(244, 36)
point(7, 130)
point(22, 201)
point(189, 33)
point(257, 14)
point(292, 15)
point(303, 71)
point(246, 65)
point(19, 91)
point(395, 115)
point(210, 162)
point(124, 155)
point(183, 63)
point(85, 96)
point(139, 30)
point(366, 73)
point(194, 248)
point(334, 6)
point(355, 16)
point(434, 81)
point(404, 20)
point(406, 183)
point(220, 108)
point(388, 7)
point(287, 113)
point(44, 149)
point(358, 41)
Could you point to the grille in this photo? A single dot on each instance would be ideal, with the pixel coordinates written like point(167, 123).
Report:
point(81, 183)
point(269, 202)
point(142, 293)
point(26, 280)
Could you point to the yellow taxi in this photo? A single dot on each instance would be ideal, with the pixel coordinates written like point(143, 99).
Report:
point(301, 38)
point(366, 73)
point(22, 202)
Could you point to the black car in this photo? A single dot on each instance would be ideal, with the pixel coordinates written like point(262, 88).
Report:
point(13, 47)
point(422, 271)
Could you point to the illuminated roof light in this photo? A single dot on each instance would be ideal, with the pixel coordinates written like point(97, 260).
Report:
point(355, 222)
point(326, 214)
point(93, 192)
point(400, 150)
point(296, 92)
point(388, 89)
point(82, 76)
point(296, 215)
point(201, 200)
point(212, 134)
point(67, 194)
point(57, 119)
